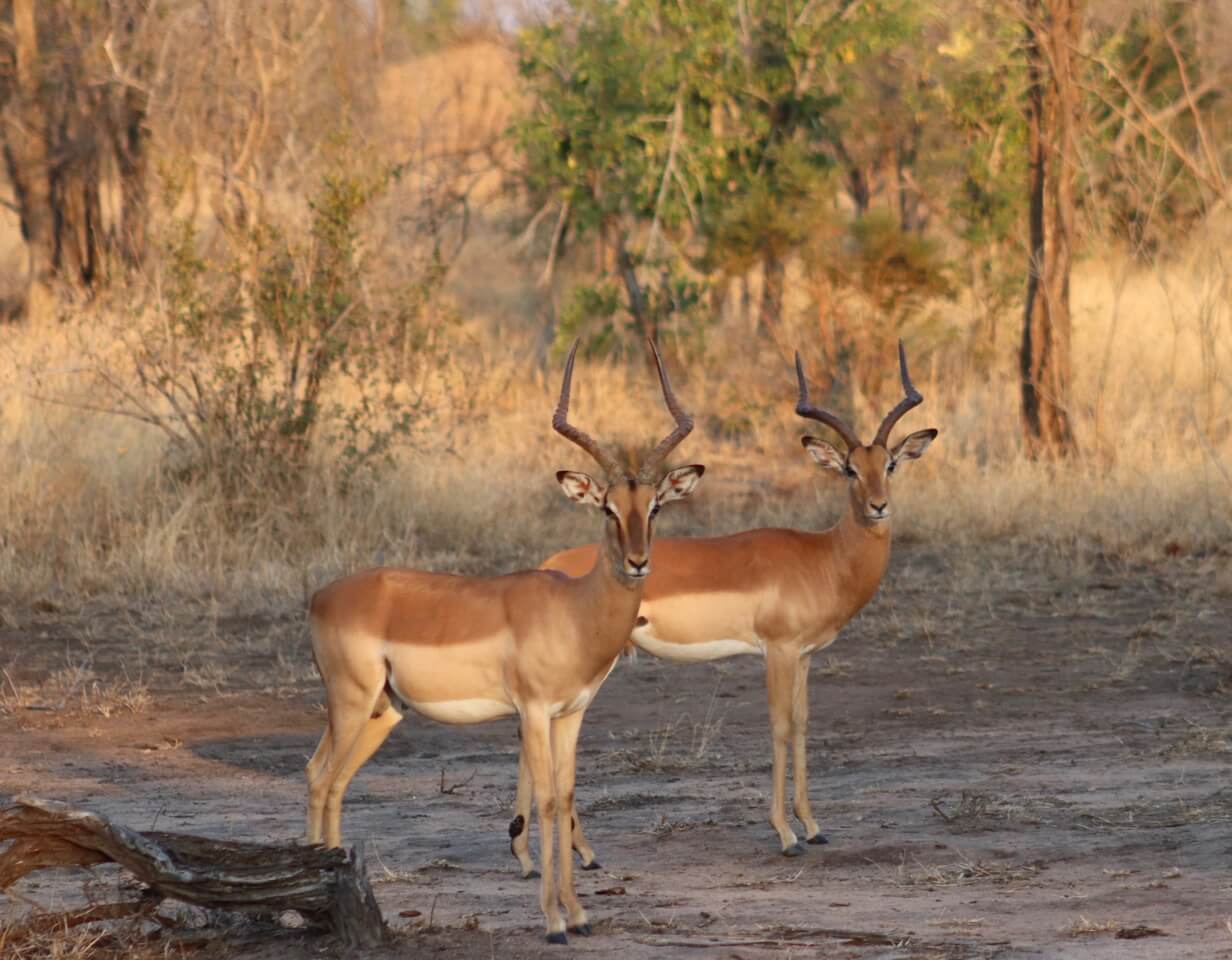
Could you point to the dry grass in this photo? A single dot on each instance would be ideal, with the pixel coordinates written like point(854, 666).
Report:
point(74, 689)
point(85, 509)
point(966, 873)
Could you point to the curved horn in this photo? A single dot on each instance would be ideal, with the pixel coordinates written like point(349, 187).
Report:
point(684, 423)
point(806, 409)
point(913, 398)
point(560, 423)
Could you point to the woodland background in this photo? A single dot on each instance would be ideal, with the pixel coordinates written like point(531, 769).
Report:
point(287, 284)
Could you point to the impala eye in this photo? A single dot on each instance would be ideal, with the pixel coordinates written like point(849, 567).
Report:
point(891, 465)
point(654, 511)
point(850, 471)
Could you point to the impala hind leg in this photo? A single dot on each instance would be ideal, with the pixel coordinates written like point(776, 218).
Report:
point(799, 763)
point(579, 842)
point(316, 797)
point(780, 682)
point(537, 745)
point(371, 736)
point(360, 718)
point(564, 759)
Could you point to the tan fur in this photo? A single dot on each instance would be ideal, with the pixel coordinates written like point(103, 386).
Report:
point(466, 649)
point(784, 593)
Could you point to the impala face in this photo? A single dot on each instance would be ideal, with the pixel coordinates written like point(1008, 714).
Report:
point(629, 505)
point(868, 470)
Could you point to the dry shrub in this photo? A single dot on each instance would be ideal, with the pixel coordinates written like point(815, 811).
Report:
point(83, 505)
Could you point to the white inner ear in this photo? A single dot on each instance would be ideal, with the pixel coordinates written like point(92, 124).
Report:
point(826, 456)
point(581, 488)
point(678, 484)
point(913, 447)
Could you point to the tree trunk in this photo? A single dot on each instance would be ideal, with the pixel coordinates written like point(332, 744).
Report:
point(60, 117)
point(1053, 29)
point(771, 311)
point(647, 326)
point(25, 156)
point(905, 153)
point(859, 190)
point(130, 138)
point(329, 887)
point(129, 142)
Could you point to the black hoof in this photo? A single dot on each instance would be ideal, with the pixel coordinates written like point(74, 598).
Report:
point(558, 937)
point(818, 839)
point(583, 930)
point(533, 875)
point(794, 850)
point(593, 865)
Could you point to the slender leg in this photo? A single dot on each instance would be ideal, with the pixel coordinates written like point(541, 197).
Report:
point(316, 797)
point(580, 844)
point(346, 721)
point(780, 680)
point(371, 735)
point(537, 744)
point(799, 761)
point(519, 827)
point(564, 755)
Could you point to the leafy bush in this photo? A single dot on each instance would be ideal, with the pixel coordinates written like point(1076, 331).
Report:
point(283, 341)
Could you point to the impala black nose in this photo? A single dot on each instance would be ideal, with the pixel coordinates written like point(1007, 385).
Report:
point(879, 507)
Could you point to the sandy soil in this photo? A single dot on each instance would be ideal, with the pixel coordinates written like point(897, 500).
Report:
point(1033, 766)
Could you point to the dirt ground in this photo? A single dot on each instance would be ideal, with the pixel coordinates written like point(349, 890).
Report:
point(1011, 759)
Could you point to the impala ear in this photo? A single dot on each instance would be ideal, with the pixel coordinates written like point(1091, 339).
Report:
point(824, 454)
point(912, 446)
point(580, 488)
point(679, 483)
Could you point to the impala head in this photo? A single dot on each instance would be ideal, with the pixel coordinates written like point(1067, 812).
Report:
point(629, 501)
point(867, 468)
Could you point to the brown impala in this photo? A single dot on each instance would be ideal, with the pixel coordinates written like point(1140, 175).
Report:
point(782, 594)
point(467, 649)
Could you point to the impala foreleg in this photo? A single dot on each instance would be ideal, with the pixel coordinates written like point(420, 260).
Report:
point(564, 758)
point(519, 827)
point(537, 745)
point(780, 681)
point(799, 766)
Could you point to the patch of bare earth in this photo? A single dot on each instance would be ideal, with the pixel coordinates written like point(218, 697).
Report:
point(1010, 762)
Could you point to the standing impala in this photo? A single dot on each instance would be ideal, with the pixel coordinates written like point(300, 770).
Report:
point(466, 649)
point(783, 594)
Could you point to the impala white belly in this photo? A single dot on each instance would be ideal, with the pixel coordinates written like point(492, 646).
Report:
point(644, 637)
point(582, 700)
point(473, 710)
point(566, 707)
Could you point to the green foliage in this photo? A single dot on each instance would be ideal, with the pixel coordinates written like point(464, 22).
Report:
point(693, 139)
point(285, 340)
point(895, 270)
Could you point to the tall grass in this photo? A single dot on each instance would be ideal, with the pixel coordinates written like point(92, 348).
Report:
point(87, 508)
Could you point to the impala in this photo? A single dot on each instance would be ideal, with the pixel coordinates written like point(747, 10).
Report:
point(467, 649)
point(782, 594)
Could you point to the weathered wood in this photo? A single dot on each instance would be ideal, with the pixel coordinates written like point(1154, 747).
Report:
point(329, 887)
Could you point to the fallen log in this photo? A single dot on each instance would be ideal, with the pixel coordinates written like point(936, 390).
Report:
point(327, 887)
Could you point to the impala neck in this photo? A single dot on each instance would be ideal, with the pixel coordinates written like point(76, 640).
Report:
point(613, 600)
point(858, 552)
